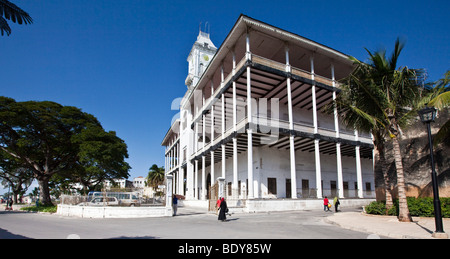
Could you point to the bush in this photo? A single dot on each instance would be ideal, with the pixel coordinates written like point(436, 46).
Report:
point(418, 207)
point(422, 207)
point(445, 204)
point(376, 208)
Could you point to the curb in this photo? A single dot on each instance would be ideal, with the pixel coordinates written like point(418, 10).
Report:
point(359, 228)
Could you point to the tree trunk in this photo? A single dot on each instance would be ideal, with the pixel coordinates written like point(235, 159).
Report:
point(379, 143)
point(387, 184)
point(44, 191)
point(403, 214)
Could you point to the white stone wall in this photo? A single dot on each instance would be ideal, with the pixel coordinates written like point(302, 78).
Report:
point(112, 212)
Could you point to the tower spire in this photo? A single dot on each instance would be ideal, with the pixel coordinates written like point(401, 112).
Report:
point(201, 54)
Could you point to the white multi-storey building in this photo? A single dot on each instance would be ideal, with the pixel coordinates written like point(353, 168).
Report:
point(251, 117)
point(139, 182)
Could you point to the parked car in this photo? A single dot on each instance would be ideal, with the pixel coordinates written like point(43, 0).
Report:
point(101, 201)
point(128, 199)
point(124, 198)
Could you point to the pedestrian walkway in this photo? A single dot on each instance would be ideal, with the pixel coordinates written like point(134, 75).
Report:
point(420, 228)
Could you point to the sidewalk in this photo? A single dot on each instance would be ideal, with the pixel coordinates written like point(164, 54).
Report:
point(420, 228)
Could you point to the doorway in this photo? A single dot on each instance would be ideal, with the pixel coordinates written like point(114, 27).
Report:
point(288, 188)
point(208, 185)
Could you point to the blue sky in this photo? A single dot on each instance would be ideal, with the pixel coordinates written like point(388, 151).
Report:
point(124, 61)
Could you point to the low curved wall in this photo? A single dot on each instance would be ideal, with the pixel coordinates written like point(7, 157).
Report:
point(113, 212)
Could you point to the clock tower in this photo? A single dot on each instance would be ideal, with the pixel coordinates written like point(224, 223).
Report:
point(201, 54)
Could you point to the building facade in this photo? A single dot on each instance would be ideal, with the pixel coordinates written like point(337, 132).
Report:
point(251, 117)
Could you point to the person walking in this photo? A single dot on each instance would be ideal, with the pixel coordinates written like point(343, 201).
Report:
point(223, 210)
point(325, 204)
point(336, 203)
point(218, 205)
point(175, 204)
point(10, 203)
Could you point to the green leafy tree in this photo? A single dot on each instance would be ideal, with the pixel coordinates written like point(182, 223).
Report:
point(14, 176)
point(51, 139)
point(10, 11)
point(101, 157)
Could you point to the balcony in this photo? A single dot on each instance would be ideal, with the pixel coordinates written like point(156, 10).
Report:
point(266, 70)
point(275, 133)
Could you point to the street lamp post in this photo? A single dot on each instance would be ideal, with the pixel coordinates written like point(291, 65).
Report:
point(427, 115)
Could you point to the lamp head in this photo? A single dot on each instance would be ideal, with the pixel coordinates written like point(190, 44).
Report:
point(427, 114)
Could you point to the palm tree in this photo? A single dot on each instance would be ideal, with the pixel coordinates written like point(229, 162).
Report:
point(10, 11)
point(349, 102)
point(155, 176)
point(380, 98)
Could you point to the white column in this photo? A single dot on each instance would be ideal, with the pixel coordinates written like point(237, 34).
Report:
point(203, 124)
point(358, 168)
point(168, 158)
point(175, 155)
point(180, 173)
point(318, 171)
point(171, 159)
point(336, 119)
point(223, 132)
point(291, 127)
point(235, 187)
point(212, 114)
point(338, 145)
point(196, 138)
point(203, 196)
point(180, 170)
point(213, 179)
point(221, 181)
point(313, 93)
point(204, 131)
point(316, 141)
point(249, 130)
point(339, 170)
point(247, 46)
point(196, 180)
point(223, 161)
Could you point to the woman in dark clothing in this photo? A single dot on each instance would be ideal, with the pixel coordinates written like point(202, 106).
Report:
point(223, 210)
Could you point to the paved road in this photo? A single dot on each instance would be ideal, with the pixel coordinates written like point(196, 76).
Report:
point(190, 224)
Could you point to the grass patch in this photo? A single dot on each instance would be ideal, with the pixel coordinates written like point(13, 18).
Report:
point(41, 208)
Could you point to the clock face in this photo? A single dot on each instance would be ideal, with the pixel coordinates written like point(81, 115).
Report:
point(205, 57)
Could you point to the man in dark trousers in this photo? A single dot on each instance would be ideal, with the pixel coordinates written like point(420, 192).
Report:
point(175, 204)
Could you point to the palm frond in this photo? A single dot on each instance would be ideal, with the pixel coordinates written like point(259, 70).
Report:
point(367, 117)
point(4, 27)
point(441, 101)
point(441, 97)
point(14, 13)
point(397, 50)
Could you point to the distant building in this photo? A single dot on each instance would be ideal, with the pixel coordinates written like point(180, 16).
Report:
point(117, 183)
point(139, 182)
point(251, 116)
